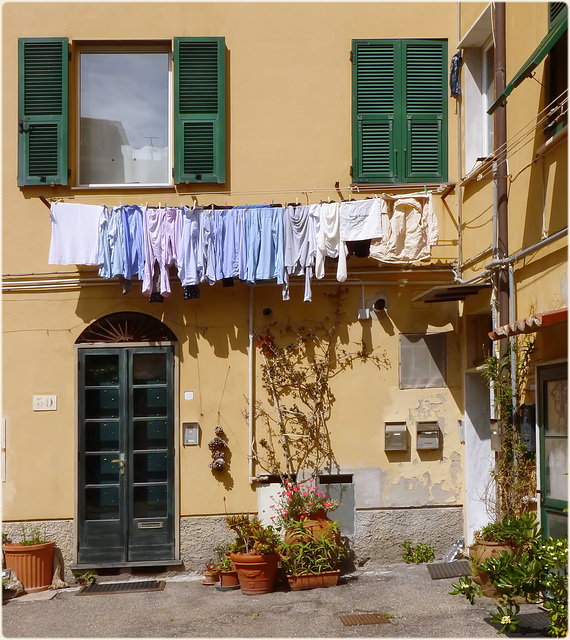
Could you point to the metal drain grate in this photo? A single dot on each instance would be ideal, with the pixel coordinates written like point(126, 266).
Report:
point(363, 618)
point(122, 587)
point(439, 570)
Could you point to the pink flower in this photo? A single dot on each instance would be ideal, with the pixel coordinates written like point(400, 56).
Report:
point(310, 504)
point(272, 506)
point(284, 513)
point(272, 517)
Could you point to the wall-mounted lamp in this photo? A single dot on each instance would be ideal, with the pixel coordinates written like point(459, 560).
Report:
point(267, 311)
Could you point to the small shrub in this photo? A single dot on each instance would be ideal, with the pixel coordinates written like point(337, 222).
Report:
point(418, 554)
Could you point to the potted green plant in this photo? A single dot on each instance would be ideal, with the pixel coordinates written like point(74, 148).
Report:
point(510, 535)
point(211, 573)
point(254, 553)
point(312, 559)
point(536, 572)
point(31, 559)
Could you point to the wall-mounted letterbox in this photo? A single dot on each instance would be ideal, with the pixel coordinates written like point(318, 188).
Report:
point(496, 436)
point(190, 434)
point(428, 435)
point(396, 436)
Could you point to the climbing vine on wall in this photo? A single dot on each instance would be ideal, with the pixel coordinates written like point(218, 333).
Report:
point(298, 364)
point(513, 480)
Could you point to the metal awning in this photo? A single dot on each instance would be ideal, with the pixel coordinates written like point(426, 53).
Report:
point(447, 293)
point(560, 26)
point(530, 324)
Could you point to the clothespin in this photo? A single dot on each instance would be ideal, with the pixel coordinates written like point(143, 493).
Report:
point(236, 203)
point(425, 188)
point(272, 200)
point(329, 199)
point(195, 200)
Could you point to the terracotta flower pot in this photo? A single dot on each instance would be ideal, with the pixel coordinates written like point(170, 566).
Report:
point(313, 580)
point(256, 572)
point(316, 523)
point(480, 551)
point(229, 579)
point(210, 577)
point(32, 563)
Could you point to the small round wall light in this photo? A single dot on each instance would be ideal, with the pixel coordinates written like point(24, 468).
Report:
point(267, 311)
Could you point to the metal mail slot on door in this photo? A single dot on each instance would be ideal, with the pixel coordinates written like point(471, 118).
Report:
point(396, 436)
point(428, 435)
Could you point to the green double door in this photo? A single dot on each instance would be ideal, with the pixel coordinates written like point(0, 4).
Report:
point(126, 455)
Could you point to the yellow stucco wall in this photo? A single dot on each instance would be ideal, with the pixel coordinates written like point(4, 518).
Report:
point(289, 96)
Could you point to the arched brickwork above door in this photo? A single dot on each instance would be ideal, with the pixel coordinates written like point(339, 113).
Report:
point(126, 326)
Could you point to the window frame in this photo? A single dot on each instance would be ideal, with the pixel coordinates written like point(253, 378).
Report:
point(487, 99)
point(198, 152)
point(123, 47)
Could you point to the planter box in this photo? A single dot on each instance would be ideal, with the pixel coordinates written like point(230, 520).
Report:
point(313, 580)
point(32, 564)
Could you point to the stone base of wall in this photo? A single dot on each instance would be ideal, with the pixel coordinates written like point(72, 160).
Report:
point(378, 537)
point(379, 534)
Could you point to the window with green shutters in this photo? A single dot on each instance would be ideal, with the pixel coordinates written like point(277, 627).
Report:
point(119, 145)
point(199, 107)
point(399, 111)
point(42, 111)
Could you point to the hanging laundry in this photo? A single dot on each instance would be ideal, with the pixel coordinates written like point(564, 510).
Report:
point(360, 220)
point(409, 227)
point(74, 233)
point(208, 245)
point(329, 243)
point(190, 262)
point(172, 235)
point(270, 259)
point(111, 241)
point(153, 224)
point(300, 225)
point(133, 241)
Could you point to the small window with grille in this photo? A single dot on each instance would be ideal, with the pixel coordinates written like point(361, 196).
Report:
point(422, 360)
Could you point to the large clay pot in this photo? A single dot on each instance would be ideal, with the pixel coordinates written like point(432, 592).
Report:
point(32, 564)
point(313, 580)
point(256, 572)
point(480, 551)
point(316, 523)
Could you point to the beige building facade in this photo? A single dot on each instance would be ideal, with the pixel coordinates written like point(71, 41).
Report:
point(112, 391)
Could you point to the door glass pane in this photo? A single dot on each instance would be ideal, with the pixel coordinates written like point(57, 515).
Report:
point(102, 403)
point(150, 402)
point(150, 501)
point(556, 460)
point(124, 118)
point(102, 436)
point(150, 467)
point(150, 434)
point(557, 408)
point(99, 469)
point(101, 370)
point(149, 368)
point(557, 525)
point(102, 503)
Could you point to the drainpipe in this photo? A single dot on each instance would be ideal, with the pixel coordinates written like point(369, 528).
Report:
point(251, 399)
point(501, 167)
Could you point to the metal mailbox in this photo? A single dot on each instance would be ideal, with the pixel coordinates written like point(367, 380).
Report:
point(496, 435)
point(396, 436)
point(428, 435)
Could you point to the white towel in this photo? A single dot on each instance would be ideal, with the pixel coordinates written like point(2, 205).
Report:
point(74, 233)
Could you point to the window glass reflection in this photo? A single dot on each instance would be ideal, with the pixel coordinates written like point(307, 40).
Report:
point(124, 118)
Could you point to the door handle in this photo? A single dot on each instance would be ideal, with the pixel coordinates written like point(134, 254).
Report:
point(121, 461)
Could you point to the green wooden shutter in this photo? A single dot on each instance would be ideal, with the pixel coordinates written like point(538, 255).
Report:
point(425, 102)
point(374, 121)
point(42, 111)
point(200, 110)
point(556, 9)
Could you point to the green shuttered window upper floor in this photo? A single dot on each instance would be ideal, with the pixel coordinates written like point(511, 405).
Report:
point(399, 111)
point(199, 80)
